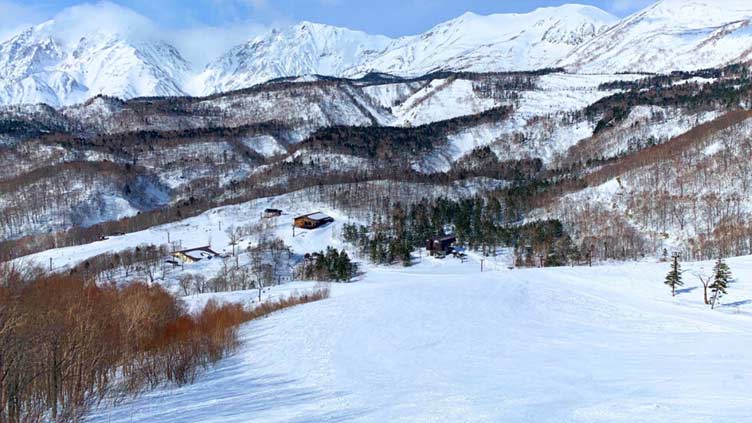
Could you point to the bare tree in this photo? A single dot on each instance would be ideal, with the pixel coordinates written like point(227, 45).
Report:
point(186, 283)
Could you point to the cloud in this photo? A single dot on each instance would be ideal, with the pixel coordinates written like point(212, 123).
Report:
point(17, 16)
point(73, 23)
point(629, 6)
point(202, 44)
point(199, 43)
point(201, 32)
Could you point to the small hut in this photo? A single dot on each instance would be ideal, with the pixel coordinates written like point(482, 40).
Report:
point(440, 246)
point(272, 213)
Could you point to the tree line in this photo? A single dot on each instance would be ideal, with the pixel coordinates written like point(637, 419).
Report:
point(714, 286)
point(480, 224)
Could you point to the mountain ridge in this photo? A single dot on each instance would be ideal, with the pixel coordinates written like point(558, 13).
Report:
point(70, 59)
point(58, 64)
point(670, 35)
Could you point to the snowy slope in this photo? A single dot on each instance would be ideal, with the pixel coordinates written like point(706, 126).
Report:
point(303, 49)
point(471, 42)
point(70, 59)
point(499, 42)
point(442, 342)
point(671, 35)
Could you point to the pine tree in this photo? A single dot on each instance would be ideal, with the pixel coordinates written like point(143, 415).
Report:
point(344, 267)
point(674, 278)
point(721, 278)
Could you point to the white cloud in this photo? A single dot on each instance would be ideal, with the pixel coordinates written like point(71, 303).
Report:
point(629, 6)
point(17, 16)
point(202, 44)
point(77, 21)
point(198, 43)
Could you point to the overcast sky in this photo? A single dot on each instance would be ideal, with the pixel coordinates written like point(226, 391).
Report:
point(229, 22)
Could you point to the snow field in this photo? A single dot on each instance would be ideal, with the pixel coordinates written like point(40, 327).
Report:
point(442, 342)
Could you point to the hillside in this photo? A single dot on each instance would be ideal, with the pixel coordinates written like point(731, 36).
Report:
point(553, 145)
point(161, 151)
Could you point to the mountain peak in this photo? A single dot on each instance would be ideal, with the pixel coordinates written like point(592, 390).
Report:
point(301, 49)
point(576, 8)
point(88, 50)
point(671, 35)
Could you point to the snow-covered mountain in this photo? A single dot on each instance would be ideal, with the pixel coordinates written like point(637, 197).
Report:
point(113, 51)
point(70, 59)
point(303, 49)
point(500, 42)
point(671, 35)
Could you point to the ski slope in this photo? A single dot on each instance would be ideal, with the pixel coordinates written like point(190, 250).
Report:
point(443, 342)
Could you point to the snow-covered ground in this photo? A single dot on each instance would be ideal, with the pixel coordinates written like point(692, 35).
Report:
point(443, 342)
point(210, 229)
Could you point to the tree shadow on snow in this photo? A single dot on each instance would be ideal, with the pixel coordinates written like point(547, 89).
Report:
point(686, 290)
point(737, 304)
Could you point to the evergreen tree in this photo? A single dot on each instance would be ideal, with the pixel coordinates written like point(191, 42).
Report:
point(721, 278)
point(674, 278)
point(330, 265)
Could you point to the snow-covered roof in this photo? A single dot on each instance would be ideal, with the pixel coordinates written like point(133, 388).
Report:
point(198, 252)
point(316, 216)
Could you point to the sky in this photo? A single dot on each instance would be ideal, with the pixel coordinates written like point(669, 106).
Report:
point(230, 22)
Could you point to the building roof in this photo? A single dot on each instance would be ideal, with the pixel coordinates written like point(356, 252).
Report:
point(314, 216)
point(198, 253)
point(444, 238)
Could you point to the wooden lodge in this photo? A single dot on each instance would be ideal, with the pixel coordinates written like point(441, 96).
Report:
point(312, 221)
point(440, 246)
point(194, 255)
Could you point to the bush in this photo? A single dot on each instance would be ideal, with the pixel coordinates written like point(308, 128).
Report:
point(66, 343)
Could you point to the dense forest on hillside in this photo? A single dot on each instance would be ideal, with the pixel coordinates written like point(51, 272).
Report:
point(166, 159)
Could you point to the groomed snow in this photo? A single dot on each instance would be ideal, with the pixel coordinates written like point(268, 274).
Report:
point(442, 342)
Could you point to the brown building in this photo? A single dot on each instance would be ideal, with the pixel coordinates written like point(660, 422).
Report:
point(440, 246)
point(312, 221)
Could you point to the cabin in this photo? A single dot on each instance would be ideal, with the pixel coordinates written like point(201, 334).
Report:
point(272, 213)
point(441, 246)
point(195, 255)
point(312, 221)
